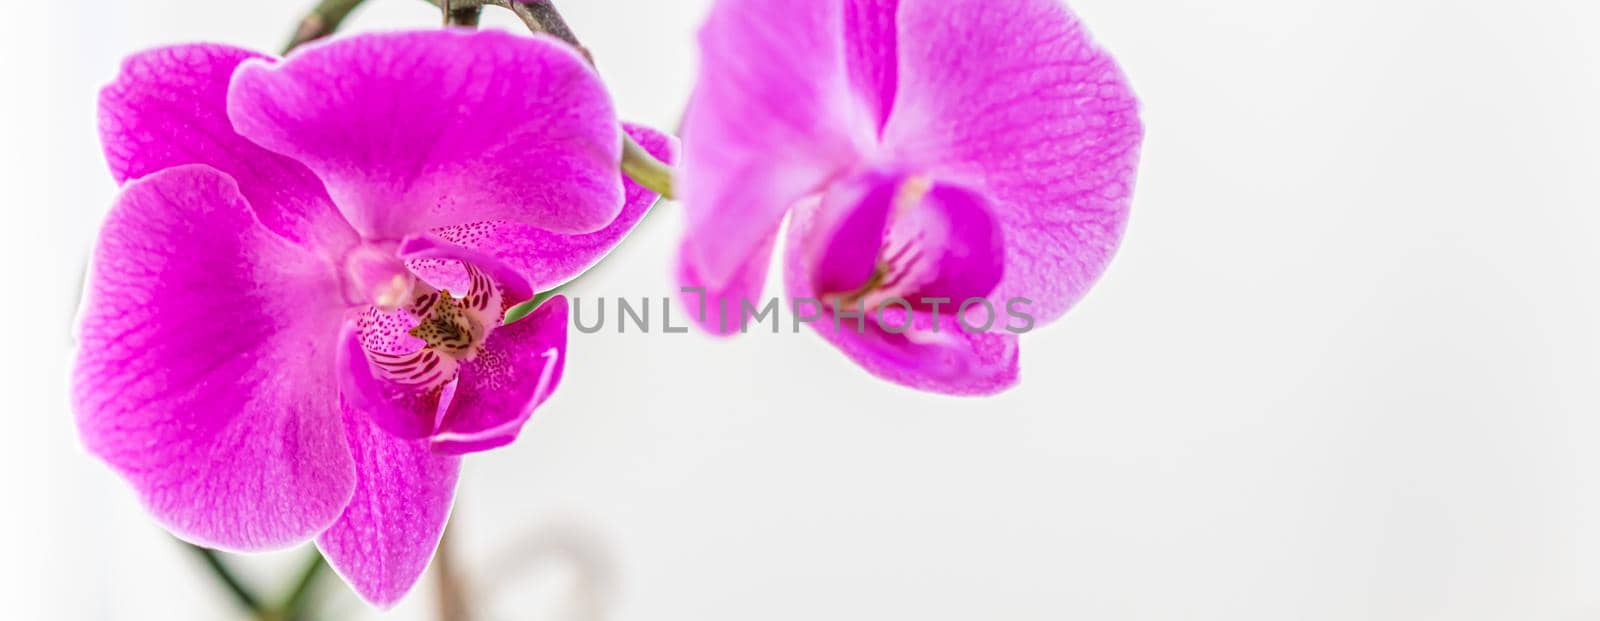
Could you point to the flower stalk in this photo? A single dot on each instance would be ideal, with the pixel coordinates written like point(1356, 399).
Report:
point(322, 21)
point(295, 606)
point(467, 16)
point(241, 593)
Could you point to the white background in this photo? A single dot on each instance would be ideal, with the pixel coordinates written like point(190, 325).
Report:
point(1346, 365)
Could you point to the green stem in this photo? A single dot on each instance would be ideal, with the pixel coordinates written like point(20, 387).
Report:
point(466, 16)
point(638, 164)
point(542, 16)
point(240, 592)
point(320, 22)
point(644, 169)
point(296, 606)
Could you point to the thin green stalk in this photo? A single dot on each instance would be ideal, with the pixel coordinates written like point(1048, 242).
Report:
point(241, 594)
point(638, 164)
point(541, 16)
point(320, 22)
point(297, 605)
point(466, 16)
point(644, 169)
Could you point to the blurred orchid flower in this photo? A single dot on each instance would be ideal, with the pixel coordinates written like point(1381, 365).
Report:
point(927, 151)
point(293, 320)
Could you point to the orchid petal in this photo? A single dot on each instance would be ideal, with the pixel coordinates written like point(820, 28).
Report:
point(168, 107)
point(384, 539)
point(546, 258)
point(205, 373)
point(1014, 99)
point(772, 119)
point(870, 39)
point(412, 131)
point(721, 310)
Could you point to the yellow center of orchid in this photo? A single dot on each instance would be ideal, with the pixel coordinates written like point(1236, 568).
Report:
point(447, 327)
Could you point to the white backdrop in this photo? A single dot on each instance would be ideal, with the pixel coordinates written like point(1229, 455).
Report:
point(1346, 366)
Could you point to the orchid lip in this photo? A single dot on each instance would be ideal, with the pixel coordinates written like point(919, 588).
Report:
point(445, 331)
point(909, 237)
point(444, 327)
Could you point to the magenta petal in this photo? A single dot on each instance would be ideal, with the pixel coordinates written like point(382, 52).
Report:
point(722, 309)
point(870, 49)
point(387, 534)
point(206, 362)
point(773, 117)
point(1013, 99)
point(412, 131)
point(519, 367)
point(904, 348)
point(548, 259)
point(949, 361)
point(168, 107)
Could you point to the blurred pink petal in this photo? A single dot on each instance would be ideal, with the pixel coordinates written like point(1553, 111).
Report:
point(720, 309)
point(1014, 99)
point(1006, 139)
point(873, 237)
point(773, 119)
point(922, 348)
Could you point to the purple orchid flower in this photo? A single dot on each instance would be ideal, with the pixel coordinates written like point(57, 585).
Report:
point(930, 152)
point(293, 319)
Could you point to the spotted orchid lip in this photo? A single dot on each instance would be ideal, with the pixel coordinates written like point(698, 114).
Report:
point(445, 331)
point(404, 363)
